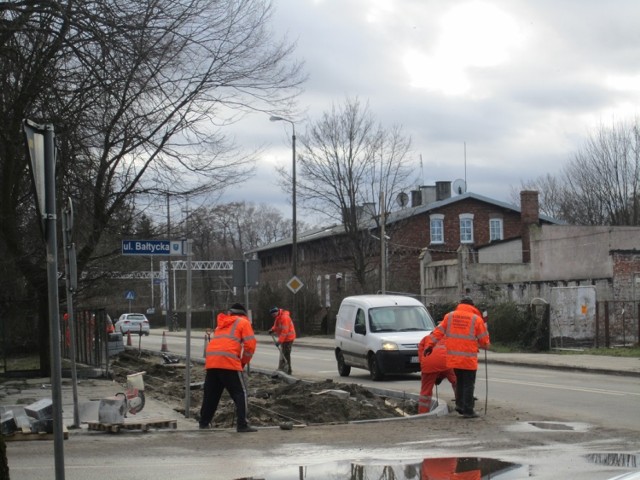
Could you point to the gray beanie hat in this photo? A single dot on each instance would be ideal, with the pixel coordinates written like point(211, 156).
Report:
point(238, 308)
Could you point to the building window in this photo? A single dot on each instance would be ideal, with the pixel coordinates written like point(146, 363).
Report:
point(466, 228)
point(437, 228)
point(495, 229)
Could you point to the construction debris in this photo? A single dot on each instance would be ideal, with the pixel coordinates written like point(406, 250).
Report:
point(272, 401)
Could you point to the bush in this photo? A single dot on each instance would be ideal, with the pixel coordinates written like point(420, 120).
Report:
point(519, 326)
point(516, 326)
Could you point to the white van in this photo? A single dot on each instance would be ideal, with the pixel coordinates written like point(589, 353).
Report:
point(380, 333)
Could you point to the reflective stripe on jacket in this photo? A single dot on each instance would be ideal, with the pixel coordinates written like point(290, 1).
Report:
point(283, 327)
point(463, 331)
point(232, 345)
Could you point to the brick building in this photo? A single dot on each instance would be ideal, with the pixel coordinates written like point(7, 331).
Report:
point(435, 224)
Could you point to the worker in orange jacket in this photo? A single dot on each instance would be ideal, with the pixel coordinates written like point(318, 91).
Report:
point(463, 331)
point(286, 332)
point(231, 348)
point(433, 370)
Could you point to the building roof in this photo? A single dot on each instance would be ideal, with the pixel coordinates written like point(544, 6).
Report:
point(393, 217)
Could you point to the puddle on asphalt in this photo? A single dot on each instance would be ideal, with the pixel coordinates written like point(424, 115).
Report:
point(538, 426)
point(441, 468)
point(614, 459)
point(551, 426)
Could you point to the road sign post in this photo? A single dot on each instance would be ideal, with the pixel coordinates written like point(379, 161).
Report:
point(42, 153)
point(130, 295)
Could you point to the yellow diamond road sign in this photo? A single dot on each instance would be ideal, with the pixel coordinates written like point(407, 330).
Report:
point(295, 284)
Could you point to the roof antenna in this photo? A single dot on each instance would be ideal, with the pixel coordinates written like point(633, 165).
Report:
point(465, 163)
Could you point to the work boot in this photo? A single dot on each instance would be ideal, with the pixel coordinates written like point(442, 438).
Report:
point(246, 429)
point(204, 426)
point(470, 415)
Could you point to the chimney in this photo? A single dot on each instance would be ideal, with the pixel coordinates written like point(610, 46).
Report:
point(428, 193)
point(416, 198)
point(443, 190)
point(529, 215)
point(365, 212)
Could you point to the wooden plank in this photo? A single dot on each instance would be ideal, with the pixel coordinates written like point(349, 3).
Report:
point(131, 424)
point(28, 435)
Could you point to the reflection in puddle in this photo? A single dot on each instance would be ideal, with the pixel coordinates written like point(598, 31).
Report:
point(614, 459)
point(428, 469)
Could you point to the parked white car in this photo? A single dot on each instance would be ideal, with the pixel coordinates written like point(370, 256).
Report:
point(134, 323)
point(380, 333)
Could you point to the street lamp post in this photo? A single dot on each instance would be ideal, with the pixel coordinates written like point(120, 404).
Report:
point(294, 226)
point(294, 235)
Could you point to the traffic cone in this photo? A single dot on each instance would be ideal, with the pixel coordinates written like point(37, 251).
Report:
point(128, 339)
point(164, 347)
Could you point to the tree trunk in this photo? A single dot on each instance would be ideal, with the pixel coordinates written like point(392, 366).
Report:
point(43, 334)
point(4, 464)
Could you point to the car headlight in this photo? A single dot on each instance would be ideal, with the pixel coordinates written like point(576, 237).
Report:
point(389, 346)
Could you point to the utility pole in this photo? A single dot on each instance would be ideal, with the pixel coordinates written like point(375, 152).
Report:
point(383, 247)
point(168, 279)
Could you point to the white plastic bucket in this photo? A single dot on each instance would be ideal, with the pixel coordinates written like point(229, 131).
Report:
point(136, 381)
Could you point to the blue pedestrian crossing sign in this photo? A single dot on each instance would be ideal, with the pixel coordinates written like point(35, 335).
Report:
point(130, 295)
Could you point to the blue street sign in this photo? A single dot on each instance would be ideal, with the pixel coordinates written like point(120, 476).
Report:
point(152, 247)
point(130, 295)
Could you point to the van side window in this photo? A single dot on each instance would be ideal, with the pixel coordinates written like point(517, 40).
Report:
point(360, 319)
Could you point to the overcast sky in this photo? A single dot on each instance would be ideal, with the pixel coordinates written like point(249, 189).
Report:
point(521, 83)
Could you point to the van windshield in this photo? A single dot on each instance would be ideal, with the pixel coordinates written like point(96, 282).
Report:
point(400, 319)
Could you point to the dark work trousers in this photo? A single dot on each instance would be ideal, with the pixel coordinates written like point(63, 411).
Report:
point(464, 390)
point(286, 355)
point(215, 382)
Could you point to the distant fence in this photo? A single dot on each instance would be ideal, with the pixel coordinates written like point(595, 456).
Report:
point(91, 338)
point(617, 324)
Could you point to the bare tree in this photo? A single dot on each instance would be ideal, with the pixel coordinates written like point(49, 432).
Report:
point(602, 179)
point(229, 230)
point(599, 185)
point(551, 194)
point(138, 93)
point(347, 161)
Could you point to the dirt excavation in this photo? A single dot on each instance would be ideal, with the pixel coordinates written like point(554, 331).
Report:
point(272, 400)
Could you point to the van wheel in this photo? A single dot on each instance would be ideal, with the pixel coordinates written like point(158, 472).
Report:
point(374, 369)
point(343, 369)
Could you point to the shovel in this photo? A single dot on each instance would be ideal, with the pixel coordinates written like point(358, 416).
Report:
point(275, 342)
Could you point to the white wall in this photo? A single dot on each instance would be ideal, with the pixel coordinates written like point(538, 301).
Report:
point(503, 252)
point(560, 256)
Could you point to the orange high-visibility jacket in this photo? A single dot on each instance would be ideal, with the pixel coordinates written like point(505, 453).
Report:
point(283, 327)
point(232, 345)
point(436, 361)
point(463, 331)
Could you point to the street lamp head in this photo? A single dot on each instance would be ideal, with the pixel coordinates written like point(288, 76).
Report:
point(275, 118)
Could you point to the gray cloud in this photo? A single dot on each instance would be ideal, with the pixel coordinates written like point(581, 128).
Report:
point(560, 70)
